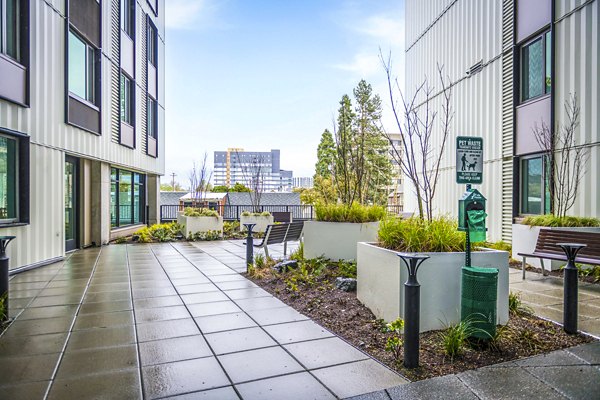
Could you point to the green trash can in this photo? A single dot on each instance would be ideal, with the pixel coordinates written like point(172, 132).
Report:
point(479, 293)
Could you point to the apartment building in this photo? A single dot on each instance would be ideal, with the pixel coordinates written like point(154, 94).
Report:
point(81, 123)
point(512, 65)
point(255, 169)
point(303, 182)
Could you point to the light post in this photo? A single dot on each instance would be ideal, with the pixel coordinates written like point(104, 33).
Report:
point(570, 286)
point(249, 245)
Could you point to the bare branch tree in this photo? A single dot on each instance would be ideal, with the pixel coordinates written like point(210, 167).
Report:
point(199, 182)
point(416, 123)
point(254, 175)
point(566, 159)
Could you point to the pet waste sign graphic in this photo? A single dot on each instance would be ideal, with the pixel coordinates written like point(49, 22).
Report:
point(469, 159)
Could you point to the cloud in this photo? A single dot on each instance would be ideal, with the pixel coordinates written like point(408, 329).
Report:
point(192, 14)
point(379, 27)
point(363, 64)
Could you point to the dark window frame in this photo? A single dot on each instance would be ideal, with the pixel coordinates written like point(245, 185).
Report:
point(115, 223)
point(546, 200)
point(95, 80)
point(22, 178)
point(24, 54)
point(131, 106)
point(153, 6)
point(152, 121)
point(128, 14)
point(543, 36)
point(152, 43)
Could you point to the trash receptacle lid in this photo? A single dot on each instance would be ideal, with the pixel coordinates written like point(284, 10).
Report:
point(480, 270)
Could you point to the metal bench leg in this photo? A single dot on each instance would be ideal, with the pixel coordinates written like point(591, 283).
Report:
point(267, 251)
point(284, 249)
point(523, 267)
point(543, 269)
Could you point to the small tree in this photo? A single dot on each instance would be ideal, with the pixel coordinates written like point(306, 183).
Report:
point(418, 159)
point(325, 155)
point(565, 157)
point(254, 175)
point(199, 182)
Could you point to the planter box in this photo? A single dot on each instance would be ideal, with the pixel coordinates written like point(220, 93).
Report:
point(260, 221)
point(199, 224)
point(380, 284)
point(337, 240)
point(524, 238)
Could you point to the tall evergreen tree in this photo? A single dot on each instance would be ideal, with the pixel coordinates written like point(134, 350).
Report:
point(325, 155)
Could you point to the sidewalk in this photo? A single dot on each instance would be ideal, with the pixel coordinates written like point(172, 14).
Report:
point(154, 321)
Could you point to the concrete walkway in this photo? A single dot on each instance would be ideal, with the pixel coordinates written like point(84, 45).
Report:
point(160, 321)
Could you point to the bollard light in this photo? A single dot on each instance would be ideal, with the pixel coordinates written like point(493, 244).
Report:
point(412, 308)
point(4, 240)
point(571, 284)
point(249, 245)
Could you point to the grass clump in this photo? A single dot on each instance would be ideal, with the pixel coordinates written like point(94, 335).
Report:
point(456, 336)
point(298, 254)
point(204, 236)
point(199, 212)
point(256, 214)
point(504, 246)
point(349, 213)
point(516, 306)
point(158, 233)
point(550, 220)
point(418, 235)
point(261, 267)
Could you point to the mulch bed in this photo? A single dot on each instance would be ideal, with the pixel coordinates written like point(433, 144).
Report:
point(342, 313)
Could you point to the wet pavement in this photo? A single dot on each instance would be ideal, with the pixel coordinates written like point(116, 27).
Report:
point(169, 321)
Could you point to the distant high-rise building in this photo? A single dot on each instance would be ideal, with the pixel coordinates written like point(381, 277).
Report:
point(255, 169)
point(303, 182)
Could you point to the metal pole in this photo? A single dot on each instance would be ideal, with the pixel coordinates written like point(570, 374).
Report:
point(412, 309)
point(249, 245)
point(570, 286)
point(468, 238)
point(4, 240)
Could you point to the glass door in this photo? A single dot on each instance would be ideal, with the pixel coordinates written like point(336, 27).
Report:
point(71, 215)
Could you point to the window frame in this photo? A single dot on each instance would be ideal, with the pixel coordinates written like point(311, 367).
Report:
point(128, 11)
point(22, 182)
point(17, 31)
point(152, 123)
point(542, 36)
point(152, 43)
point(115, 223)
point(545, 194)
point(130, 107)
point(90, 68)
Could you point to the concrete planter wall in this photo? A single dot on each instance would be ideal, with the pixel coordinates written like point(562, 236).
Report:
point(380, 284)
point(524, 238)
point(337, 240)
point(199, 224)
point(260, 221)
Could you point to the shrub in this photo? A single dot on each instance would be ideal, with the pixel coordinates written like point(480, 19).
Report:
point(550, 220)
point(349, 213)
point(418, 235)
point(231, 230)
point(504, 246)
point(347, 269)
point(158, 233)
point(199, 212)
point(298, 254)
point(256, 214)
point(204, 236)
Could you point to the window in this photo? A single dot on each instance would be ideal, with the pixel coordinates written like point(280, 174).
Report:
point(8, 180)
point(535, 186)
point(127, 198)
point(10, 28)
point(152, 44)
point(536, 77)
point(82, 68)
point(127, 96)
point(128, 17)
point(152, 120)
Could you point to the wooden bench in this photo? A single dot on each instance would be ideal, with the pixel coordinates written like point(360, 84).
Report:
point(546, 247)
point(281, 233)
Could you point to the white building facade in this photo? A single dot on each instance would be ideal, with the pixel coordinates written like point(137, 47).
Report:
point(511, 65)
point(81, 123)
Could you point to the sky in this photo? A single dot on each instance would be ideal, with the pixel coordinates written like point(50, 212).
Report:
point(269, 74)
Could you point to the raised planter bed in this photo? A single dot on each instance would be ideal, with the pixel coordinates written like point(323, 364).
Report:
point(381, 284)
point(336, 240)
point(199, 224)
point(524, 238)
point(261, 221)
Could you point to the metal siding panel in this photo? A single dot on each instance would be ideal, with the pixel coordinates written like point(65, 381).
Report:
point(115, 123)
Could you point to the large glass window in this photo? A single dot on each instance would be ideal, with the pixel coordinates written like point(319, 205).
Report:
point(152, 114)
point(128, 17)
point(8, 180)
point(82, 68)
point(535, 186)
point(10, 28)
point(152, 44)
point(127, 91)
point(536, 67)
point(127, 198)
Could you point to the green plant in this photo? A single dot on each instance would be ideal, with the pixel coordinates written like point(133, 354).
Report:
point(204, 236)
point(550, 220)
point(586, 271)
point(256, 214)
point(516, 306)
point(298, 254)
point(504, 246)
point(158, 233)
point(3, 308)
point(394, 343)
point(121, 240)
point(347, 269)
point(418, 235)
point(349, 213)
point(199, 212)
point(306, 274)
point(455, 337)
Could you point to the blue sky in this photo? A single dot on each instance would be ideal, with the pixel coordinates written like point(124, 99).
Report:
point(268, 74)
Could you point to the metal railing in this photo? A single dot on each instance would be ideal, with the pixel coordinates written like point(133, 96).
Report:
point(303, 212)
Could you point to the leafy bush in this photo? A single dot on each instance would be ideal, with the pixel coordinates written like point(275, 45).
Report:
point(158, 233)
point(298, 254)
point(349, 213)
point(199, 212)
point(121, 240)
point(306, 274)
point(204, 236)
point(418, 235)
point(456, 336)
point(256, 214)
point(550, 220)
point(347, 269)
point(231, 230)
point(394, 343)
point(586, 270)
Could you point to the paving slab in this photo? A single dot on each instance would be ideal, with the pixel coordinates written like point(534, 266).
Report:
point(297, 331)
point(239, 340)
point(224, 393)
point(300, 386)
point(444, 387)
point(573, 382)
point(258, 364)
point(173, 349)
point(324, 352)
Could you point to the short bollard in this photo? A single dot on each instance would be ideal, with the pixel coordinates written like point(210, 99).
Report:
point(571, 283)
point(412, 308)
point(249, 245)
point(4, 240)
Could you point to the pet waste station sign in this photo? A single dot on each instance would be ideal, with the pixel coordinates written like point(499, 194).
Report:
point(469, 160)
